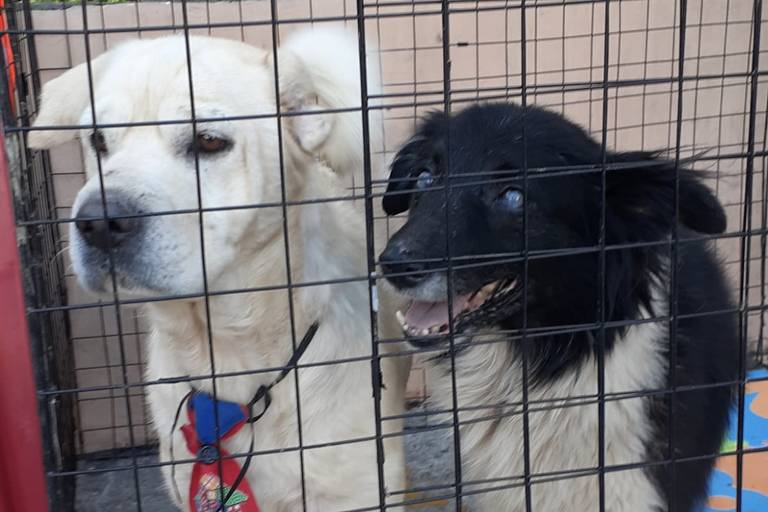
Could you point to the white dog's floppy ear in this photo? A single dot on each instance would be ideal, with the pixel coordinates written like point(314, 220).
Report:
point(62, 103)
point(319, 70)
point(297, 94)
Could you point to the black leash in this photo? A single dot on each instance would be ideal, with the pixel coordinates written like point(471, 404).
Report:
point(262, 392)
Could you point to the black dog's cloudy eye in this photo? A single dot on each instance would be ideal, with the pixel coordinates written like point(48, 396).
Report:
point(424, 179)
point(511, 199)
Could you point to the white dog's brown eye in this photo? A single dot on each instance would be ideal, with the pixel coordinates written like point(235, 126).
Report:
point(98, 143)
point(207, 143)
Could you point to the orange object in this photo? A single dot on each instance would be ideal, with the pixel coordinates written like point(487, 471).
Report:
point(5, 41)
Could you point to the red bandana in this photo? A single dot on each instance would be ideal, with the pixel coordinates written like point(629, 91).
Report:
point(214, 474)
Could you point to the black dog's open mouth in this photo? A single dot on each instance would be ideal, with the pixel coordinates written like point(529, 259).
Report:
point(426, 322)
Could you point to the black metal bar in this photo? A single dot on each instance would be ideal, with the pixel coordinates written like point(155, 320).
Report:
point(111, 257)
point(673, 288)
point(745, 270)
point(286, 241)
point(445, 23)
point(601, 307)
point(201, 233)
point(524, 342)
point(370, 256)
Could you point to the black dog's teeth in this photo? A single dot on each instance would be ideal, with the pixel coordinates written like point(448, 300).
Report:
point(505, 293)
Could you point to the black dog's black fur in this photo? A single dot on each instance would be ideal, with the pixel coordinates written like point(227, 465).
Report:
point(482, 150)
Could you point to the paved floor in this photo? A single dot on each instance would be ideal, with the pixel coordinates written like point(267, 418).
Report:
point(115, 491)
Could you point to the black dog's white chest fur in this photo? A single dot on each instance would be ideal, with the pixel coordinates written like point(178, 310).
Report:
point(563, 426)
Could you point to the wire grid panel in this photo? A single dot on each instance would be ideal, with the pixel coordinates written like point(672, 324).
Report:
point(569, 57)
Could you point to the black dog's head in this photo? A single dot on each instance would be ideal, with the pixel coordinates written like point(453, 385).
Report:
point(461, 180)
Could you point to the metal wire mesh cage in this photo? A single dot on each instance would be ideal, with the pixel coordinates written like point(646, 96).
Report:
point(684, 77)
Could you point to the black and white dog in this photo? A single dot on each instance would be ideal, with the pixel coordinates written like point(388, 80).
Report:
point(664, 326)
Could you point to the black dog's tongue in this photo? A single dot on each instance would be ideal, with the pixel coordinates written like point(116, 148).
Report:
point(426, 314)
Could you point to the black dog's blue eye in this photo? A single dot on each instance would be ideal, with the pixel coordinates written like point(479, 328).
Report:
point(511, 199)
point(424, 180)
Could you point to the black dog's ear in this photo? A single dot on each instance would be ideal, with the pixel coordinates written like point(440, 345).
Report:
point(397, 198)
point(643, 185)
point(700, 210)
point(421, 152)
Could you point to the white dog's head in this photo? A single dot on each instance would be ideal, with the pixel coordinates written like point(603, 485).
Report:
point(148, 168)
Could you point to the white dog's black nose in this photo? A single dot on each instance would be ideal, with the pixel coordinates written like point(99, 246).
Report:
point(105, 232)
point(400, 267)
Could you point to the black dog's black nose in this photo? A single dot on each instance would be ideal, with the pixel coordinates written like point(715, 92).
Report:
point(109, 232)
point(400, 267)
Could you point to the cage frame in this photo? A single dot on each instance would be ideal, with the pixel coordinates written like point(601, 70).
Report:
point(746, 234)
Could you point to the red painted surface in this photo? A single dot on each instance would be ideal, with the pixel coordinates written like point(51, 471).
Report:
point(22, 479)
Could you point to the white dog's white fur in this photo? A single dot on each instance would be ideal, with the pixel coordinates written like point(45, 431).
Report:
point(147, 81)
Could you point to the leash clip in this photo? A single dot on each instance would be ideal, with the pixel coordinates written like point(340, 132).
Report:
point(208, 454)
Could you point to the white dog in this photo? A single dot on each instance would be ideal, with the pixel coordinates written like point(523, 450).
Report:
point(151, 168)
